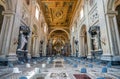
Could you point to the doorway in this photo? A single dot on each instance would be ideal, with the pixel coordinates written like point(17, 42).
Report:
point(83, 41)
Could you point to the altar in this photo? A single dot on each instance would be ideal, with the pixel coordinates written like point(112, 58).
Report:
point(58, 62)
point(57, 75)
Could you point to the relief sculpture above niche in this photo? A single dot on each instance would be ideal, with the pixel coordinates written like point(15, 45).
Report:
point(25, 15)
point(91, 2)
point(93, 16)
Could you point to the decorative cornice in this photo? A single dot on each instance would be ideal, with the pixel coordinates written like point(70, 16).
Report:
point(8, 12)
point(111, 13)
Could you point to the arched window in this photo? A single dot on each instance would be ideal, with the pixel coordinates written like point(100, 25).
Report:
point(45, 28)
point(37, 12)
point(81, 13)
point(1, 16)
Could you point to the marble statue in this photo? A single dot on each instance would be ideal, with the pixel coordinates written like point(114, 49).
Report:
point(22, 49)
point(22, 41)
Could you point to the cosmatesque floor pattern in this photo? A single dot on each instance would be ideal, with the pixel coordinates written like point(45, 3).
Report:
point(71, 69)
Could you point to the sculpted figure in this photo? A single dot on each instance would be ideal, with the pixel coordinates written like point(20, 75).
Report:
point(22, 41)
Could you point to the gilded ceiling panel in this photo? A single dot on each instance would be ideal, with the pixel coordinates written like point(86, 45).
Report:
point(58, 12)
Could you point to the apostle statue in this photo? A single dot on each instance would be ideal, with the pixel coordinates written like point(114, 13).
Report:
point(22, 41)
point(23, 38)
point(22, 49)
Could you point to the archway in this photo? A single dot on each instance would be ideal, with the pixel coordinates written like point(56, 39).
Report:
point(6, 28)
point(73, 46)
point(83, 41)
point(58, 43)
point(1, 17)
point(58, 30)
point(33, 40)
point(1, 26)
point(113, 26)
point(118, 19)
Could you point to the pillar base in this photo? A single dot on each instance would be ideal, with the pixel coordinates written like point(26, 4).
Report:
point(12, 57)
point(29, 56)
point(3, 60)
point(115, 60)
point(89, 56)
point(110, 58)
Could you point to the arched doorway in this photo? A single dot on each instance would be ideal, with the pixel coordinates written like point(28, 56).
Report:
point(83, 42)
point(33, 41)
point(59, 43)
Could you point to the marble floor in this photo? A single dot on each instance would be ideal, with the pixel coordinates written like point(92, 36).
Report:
point(72, 69)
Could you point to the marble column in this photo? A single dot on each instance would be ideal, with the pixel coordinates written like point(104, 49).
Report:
point(29, 45)
point(36, 47)
point(6, 33)
point(113, 33)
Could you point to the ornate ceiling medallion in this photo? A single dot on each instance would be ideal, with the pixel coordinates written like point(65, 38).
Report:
point(59, 14)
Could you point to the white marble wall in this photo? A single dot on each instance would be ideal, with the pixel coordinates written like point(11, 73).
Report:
point(96, 14)
point(18, 13)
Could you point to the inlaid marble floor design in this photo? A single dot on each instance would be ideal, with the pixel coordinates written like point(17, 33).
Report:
point(93, 73)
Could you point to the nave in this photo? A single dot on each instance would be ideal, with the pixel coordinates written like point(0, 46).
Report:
point(60, 68)
point(59, 39)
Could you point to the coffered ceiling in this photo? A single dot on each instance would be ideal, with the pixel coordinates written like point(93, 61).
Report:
point(58, 13)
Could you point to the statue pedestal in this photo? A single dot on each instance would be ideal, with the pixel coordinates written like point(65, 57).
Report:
point(22, 55)
point(3, 60)
point(97, 54)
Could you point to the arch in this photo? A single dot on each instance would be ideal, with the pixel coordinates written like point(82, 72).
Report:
point(73, 45)
point(65, 39)
point(110, 4)
point(8, 4)
point(118, 19)
point(113, 26)
point(1, 17)
point(83, 41)
point(35, 29)
point(61, 30)
point(5, 35)
point(3, 4)
point(33, 40)
point(82, 29)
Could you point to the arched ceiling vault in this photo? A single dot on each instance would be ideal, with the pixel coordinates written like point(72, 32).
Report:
point(60, 31)
point(59, 35)
point(58, 13)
